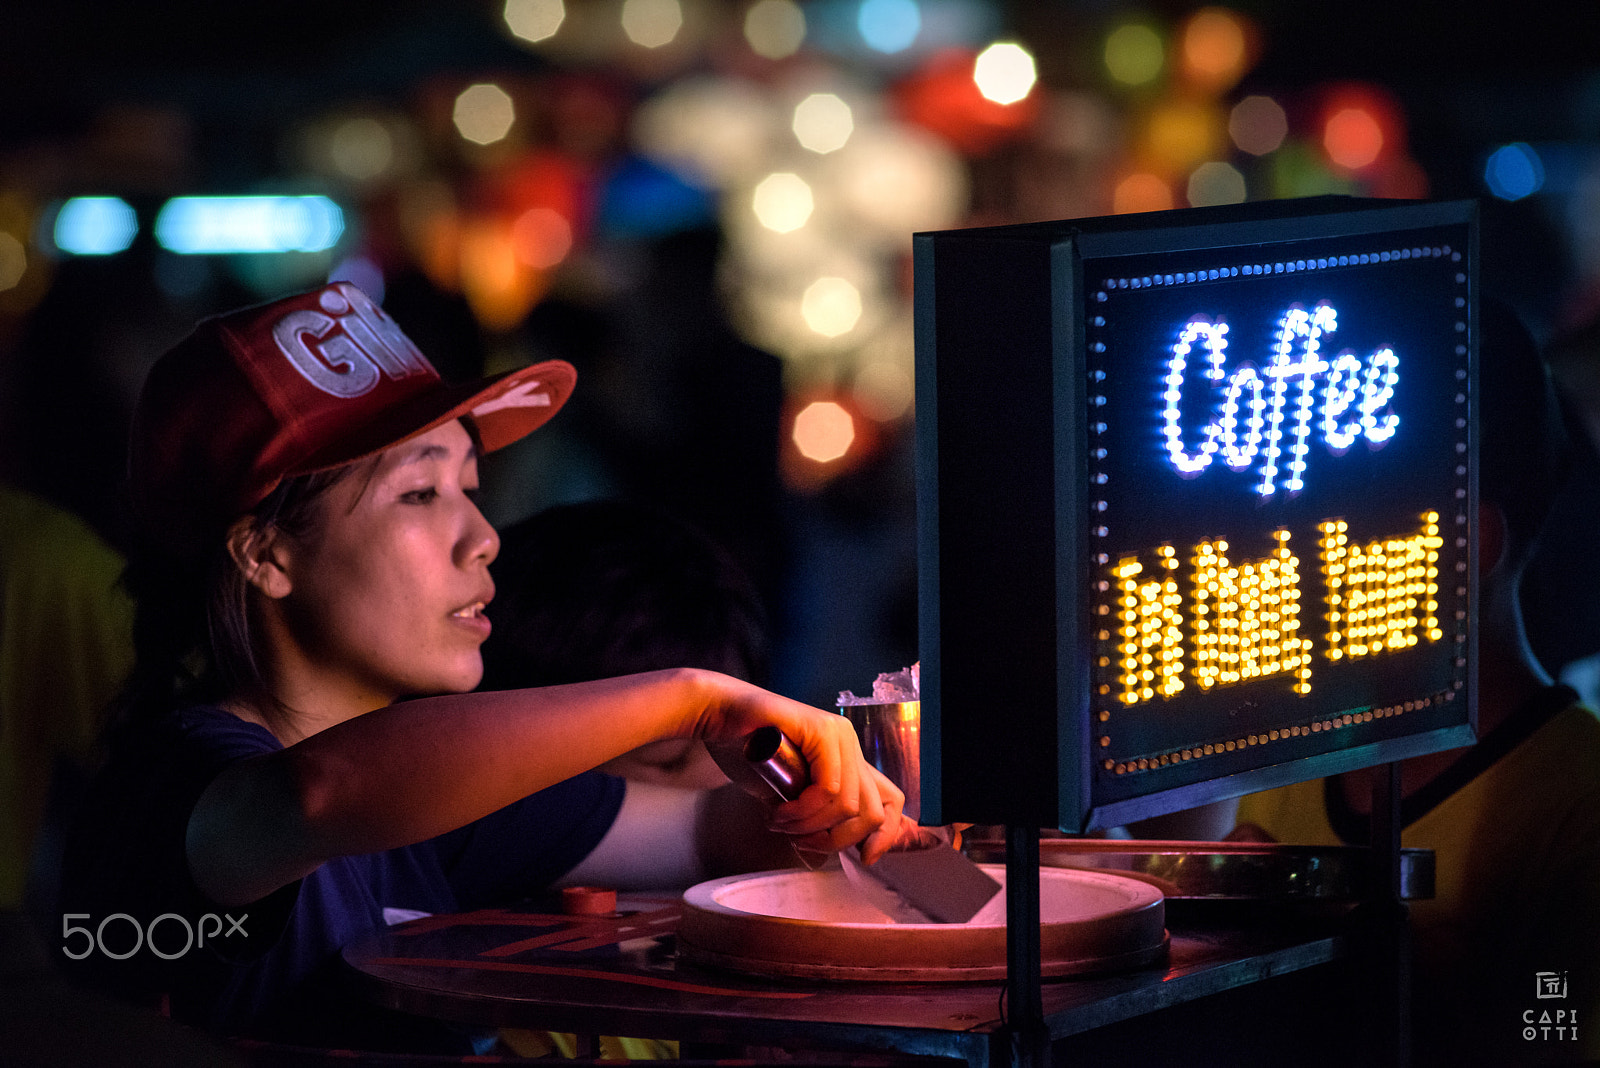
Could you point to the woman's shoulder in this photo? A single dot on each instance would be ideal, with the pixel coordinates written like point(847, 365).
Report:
point(200, 731)
point(214, 723)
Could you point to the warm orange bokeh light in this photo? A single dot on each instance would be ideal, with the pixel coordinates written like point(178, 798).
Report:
point(823, 431)
point(1216, 49)
point(542, 237)
point(1141, 192)
point(1353, 138)
point(1360, 125)
point(498, 285)
point(941, 96)
point(1182, 133)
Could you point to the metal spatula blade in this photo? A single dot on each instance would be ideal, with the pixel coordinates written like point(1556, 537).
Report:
point(922, 879)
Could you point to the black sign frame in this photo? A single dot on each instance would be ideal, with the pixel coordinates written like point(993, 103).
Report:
point(1066, 505)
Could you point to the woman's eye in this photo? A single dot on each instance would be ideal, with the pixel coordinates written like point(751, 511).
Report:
point(420, 496)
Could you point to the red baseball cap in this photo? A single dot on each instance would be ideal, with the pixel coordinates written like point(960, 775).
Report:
point(307, 383)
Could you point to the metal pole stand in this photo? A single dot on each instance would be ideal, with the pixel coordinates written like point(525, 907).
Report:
point(1384, 935)
point(1027, 1039)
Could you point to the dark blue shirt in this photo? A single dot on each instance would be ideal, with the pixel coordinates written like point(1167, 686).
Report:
point(271, 969)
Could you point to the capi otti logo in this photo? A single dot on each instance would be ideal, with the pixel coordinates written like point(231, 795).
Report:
point(345, 348)
point(1550, 1023)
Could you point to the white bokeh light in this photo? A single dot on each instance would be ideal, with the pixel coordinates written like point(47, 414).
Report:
point(652, 23)
point(782, 202)
point(831, 306)
point(534, 20)
point(484, 113)
point(1005, 73)
point(895, 179)
point(718, 130)
point(823, 123)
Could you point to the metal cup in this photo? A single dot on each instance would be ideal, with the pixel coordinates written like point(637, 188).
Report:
point(891, 739)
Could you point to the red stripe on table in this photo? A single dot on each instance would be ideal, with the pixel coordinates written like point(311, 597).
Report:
point(583, 973)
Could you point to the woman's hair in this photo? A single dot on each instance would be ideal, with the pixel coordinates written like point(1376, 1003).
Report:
point(193, 636)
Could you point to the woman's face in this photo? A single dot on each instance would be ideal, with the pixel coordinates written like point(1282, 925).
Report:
point(387, 596)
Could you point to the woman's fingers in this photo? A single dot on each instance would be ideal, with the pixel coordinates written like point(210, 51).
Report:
point(874, 821)
point(890, 829)
point(848, 801)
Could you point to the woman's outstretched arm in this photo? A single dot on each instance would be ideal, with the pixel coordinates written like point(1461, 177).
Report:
point(418, 768)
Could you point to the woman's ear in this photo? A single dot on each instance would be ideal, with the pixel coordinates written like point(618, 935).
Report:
point(260, 554)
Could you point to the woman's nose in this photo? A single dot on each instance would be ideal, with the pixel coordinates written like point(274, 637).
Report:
point(480, 541)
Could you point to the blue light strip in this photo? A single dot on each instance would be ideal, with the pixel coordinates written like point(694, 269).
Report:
point(227, 225)
point(95, 226)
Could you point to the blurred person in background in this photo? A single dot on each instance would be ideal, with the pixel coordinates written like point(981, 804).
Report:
point(598, 589)
point(66, 646)
point(1514, 820)
point(604, 588)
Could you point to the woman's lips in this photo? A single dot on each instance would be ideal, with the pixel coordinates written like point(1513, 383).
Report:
point(471, 616)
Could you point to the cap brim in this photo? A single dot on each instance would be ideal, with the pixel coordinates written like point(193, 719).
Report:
point(504, 408)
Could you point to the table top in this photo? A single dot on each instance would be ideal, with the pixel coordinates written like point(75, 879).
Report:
point(620, 975)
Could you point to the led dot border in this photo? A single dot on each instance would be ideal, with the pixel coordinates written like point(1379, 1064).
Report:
point(1299, 730)
point(1105, 609)
point(1321, 263)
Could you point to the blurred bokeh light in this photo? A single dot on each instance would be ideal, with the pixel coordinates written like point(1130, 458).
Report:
point(1135, 54)
point(652, 23)
point(1216, 47)
point(1142, 191)
point(823, 431)
point(1216, 183)
point(251, 224)
point(1005, 72)
point(484, 113)
point(889, 25)
point(94, 226)
point(1514, 171)
point(562, 146)
point(534, 20)
point(1361, 124)
point(362, 148)
point(13, 261)
point(775, 29)
point(782, 202)
point(1258, 125)
point(831, 306)
point(823, 123)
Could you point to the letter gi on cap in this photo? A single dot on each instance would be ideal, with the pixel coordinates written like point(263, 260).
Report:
point(307, 383)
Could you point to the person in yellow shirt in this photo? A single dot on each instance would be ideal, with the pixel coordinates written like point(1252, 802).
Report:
point(1506, 953)
point(66, 646)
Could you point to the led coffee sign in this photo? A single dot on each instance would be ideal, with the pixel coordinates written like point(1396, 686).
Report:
point(1196, 499)
point(1349, 388)
point(1283, 522)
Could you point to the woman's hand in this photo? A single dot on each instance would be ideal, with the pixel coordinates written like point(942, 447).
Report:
point(848, 800)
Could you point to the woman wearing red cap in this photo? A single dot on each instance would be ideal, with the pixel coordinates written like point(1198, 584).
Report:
point(298, 758)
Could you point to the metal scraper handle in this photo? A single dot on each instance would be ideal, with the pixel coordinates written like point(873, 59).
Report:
point(778, 761)
point(780, 764)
